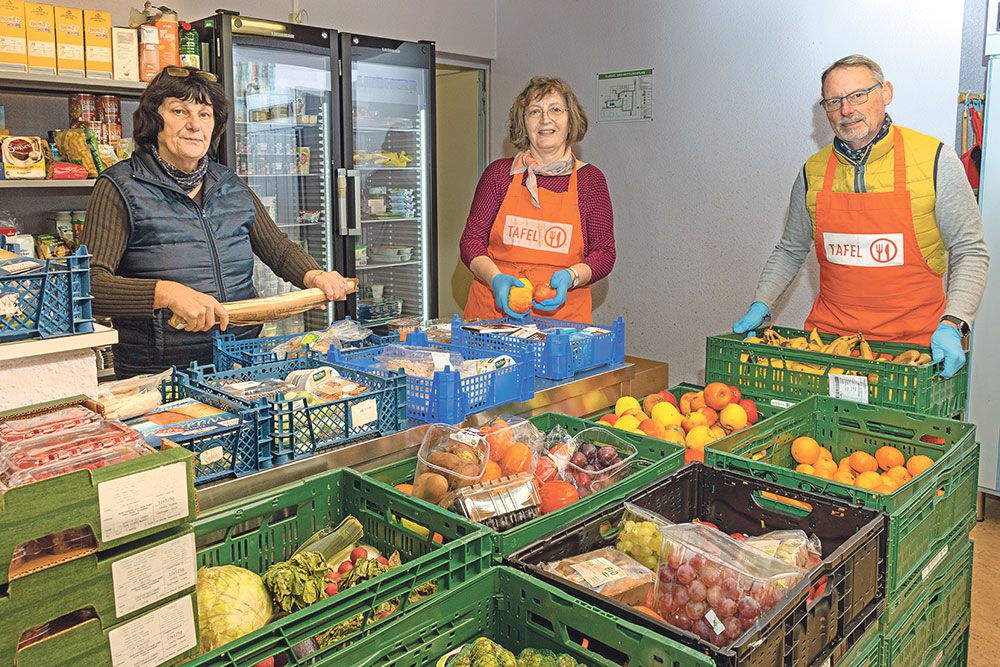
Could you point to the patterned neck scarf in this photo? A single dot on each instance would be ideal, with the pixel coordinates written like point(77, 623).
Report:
point(526, 162)
point(860, 155)
point(188, 181)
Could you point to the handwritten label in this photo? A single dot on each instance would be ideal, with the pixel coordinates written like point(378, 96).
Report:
point(154, 574)
point(212, 455)
point(144, 500)
point(155, 638)
point(849, 387)
point(364, 413)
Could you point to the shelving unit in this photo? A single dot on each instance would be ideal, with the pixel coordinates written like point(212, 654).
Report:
point(388, 266)
point(29, 184)
point(60, 85)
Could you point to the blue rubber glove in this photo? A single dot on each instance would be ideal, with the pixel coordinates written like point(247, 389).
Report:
point(501, 284)
point(560, 282)
point(946, 344)
point(755, 316)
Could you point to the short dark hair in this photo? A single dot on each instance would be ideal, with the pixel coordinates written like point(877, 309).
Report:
point(147, 122)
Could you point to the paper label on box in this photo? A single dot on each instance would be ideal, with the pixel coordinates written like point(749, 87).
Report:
point(714, 621)
point(154, 574)
point(598, 571)
point(211, 455)
point(13, 45)
point(926, 572)
point(143, 500)
point(38, 49)
point(155, 638)
point(98, 54)
point(364, 413)
point(441, 359)
point(849, 387)
point(71, 51)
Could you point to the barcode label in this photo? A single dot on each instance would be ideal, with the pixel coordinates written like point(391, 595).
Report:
point(849, 387)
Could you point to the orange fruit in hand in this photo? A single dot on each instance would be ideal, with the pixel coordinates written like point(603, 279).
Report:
point(889, 457)
point(805, 450)
point(919, 463)
point(863, 462)
point(869, 480)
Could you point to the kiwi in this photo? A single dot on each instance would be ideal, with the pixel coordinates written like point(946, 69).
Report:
point(467, 475)
point(466, 452)
point(430, 486)
point(445, 460)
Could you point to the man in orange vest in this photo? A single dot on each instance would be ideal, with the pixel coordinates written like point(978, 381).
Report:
point(890, 210)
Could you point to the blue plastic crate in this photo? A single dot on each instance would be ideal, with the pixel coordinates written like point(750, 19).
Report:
point(560, 355)
point(230, 353)
point(447, 397)
point(296, 429)
point(233, 451)
point(49, 301)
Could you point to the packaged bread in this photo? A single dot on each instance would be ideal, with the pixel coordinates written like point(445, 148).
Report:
point(608, 572)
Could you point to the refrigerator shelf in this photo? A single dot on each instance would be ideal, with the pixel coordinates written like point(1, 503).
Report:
point(392, 220)
point(389, 265)
point(277, 175)
point(379, 128)
point(390, 168)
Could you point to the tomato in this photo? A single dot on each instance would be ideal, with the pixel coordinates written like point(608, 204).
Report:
point(556, 495)
point(545, 470)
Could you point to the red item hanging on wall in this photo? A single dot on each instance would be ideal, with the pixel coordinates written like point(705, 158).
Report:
point(972, 158)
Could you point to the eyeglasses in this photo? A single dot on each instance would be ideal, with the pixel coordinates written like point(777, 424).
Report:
point(535, 113)
point(183, 72)
point(855, 98)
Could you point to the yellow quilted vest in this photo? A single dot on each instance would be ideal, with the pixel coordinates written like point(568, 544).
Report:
point(877, 176)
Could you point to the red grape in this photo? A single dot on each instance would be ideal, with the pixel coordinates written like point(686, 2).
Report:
point(710, 574)
point(734, 629)
point(578, 459)
point(702, 629)
point(681, 597)
point(685, 574)
point(666, 574)
point(726, 608)
point(588, 450)
point(714, 596)
point(748, 608)
point(681, 621)
point(697, 562)
point(730, 587)
point(695, 609)
point(676, 558)
point(697, 590)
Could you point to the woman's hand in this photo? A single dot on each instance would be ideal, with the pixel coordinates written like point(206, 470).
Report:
point(334, 285)
point(561, 282)
point(199, 311)
point(501, 285)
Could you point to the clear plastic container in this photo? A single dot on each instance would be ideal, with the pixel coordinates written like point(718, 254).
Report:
point(91, 461)
point(594, 460)
point(448, 459)
point(56, 421)
point(134, 397)
point(53, 545)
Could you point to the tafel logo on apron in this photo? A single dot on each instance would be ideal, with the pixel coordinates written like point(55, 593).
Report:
point(873, 250)
point(537, 234)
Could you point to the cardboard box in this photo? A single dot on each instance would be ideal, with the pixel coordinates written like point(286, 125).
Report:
point(97, 39)
point(69, 41)
point(13, 43)
point(40, 27)
point(125, 47)
point(168, 44)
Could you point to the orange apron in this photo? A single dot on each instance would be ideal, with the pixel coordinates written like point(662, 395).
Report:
point(534, 242)
point(873, 278)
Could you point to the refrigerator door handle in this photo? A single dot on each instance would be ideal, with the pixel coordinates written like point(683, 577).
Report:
point(342, 201)
point(356, 229)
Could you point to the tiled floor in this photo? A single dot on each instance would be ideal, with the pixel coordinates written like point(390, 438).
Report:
point(984, 648)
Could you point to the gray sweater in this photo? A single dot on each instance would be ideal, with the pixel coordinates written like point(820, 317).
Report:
point(958, 219)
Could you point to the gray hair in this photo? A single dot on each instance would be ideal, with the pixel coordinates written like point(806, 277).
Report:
point(855, 60)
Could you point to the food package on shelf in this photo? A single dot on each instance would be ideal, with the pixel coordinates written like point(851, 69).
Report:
point(186, 417)
point(134, 397)
point(500, 503)
point(321, 385)
point(252, 390)
point(449, 459)
point(79, 146)
point(338, 333)
point(608, 572)
point(418, 361)
point(64, 419)
point(23, 157)
point(88, 447)
point(714, 586)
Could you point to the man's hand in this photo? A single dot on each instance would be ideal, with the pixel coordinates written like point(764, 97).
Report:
point(334, 285)
point(199, 311)
point(946, 344)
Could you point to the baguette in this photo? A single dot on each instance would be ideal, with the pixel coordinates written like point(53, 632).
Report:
point(271, 308)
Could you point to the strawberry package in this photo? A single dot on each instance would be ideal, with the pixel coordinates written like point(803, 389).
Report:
point(22, 428)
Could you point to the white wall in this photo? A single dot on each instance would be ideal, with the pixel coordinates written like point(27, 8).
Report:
point(464, 27)
point(701, 193)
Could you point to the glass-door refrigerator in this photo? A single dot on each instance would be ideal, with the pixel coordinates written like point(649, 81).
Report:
point(387, 209)
point(283, 81)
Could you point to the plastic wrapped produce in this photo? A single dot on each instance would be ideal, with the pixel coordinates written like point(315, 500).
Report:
point(789, 546)
point(55, 421)
point(714, 586)
point(335, 336)
point(418, 361)
point(594, 460)
point(640, 535)
point(608, 572)
point(448, 459)
point(125, 399)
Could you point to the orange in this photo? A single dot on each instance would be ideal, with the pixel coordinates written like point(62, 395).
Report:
point(899, 473)
point(806, 468)
point(869, 479)
point(492, 472)
point(917, 464)
point(863, 462)
point(824, 453)
point(805, 450)
point(823, 473)
point(405, 488)
point(889, 457)
point(845, 464)
point(699, 436)
point(888, 484)
point(518, 458)
point(825, 465)
point(844, 477)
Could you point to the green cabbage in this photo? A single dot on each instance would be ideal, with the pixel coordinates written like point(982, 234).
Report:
point(232, 602)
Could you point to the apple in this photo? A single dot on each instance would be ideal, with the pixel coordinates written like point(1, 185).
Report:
point(751, 409)
point(650, 402)
point(609, 419)
point(691, 454)
point(670, 398)
point(694, 419)
point(717, 395)
point(711, 415)
point(543, 292)
point(737, 395)
point(685, 403)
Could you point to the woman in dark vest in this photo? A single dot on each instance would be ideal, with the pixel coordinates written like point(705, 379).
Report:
point(172, 232)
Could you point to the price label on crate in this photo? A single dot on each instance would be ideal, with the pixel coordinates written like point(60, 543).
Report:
point(849, 387)
point(364, 413)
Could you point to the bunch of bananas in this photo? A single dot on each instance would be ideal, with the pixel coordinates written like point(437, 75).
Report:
point(382, 158)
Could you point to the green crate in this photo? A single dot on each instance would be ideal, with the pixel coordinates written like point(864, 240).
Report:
point(920, 519)
point(665, 457)
point(916, 645)
point(517, 612)
point(912, 388)
point(268, 528)
point(865, 652)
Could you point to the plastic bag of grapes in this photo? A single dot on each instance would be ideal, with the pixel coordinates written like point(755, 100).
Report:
point(639, 535)
point(714, 586)
point(594, 460)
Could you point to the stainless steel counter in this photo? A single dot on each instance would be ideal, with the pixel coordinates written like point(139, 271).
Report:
point(583, 395)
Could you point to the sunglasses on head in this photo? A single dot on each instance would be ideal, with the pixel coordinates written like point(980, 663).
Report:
point(183, 72)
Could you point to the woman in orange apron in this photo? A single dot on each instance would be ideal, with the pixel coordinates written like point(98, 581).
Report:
point(544, 216)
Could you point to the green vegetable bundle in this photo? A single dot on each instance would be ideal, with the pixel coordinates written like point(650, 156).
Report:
point(297, 582)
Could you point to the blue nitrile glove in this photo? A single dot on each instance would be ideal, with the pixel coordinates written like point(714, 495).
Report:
point(501, 284)
point(755, 316)
point(560, 282)
point(946, 343)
